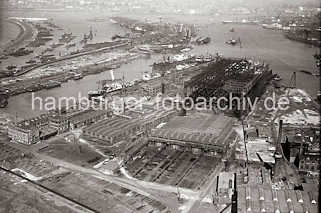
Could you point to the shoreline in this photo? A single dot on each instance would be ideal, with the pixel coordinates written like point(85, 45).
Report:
point(25, 31)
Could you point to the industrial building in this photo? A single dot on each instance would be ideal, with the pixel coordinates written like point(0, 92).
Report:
point(256, 193)
point(302, 148)
point(198, 131)
point(46, 125)
point(27, 131)
point(153, 87)
point(225, 188)
point(128, 125)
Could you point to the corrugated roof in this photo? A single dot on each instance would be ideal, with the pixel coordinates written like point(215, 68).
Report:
point(258, 197)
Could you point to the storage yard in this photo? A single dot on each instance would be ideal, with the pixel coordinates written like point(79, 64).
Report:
point(173, 167)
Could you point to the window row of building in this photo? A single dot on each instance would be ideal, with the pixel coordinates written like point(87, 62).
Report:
point(33, 130)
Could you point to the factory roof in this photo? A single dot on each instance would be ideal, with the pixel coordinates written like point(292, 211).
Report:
point(259, 194)
point(118, 124)
point(85, 115)
point(263, 198)
point(203, 128)
point(30, 124)
point(258, 150)
point(226, 180)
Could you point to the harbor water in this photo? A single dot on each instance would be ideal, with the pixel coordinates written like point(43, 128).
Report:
point(283, 55)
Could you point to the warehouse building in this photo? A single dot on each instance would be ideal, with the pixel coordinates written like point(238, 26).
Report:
point(197, 132)
point(131, 124)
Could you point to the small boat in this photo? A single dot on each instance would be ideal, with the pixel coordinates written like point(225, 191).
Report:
point(231, 42)
point(31, 62)
point(77, 76)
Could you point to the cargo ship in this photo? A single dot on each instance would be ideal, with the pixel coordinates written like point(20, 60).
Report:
point(243, 21)
point(106, 89)
point(171, 62)
point(101, 45)
point(205, 59)
point(295, 37)
point(274, 26)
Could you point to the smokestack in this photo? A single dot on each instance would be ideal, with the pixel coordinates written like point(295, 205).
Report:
point(280, 132)
point(112, 75)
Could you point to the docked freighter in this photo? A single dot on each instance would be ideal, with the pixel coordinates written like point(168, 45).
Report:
point(243, 21)
point(106, 89)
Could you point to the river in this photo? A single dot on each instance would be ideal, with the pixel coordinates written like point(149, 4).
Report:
point(8, 32)
point(283, 55)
